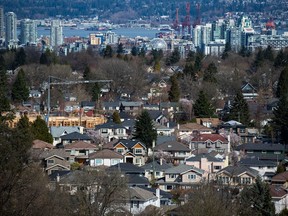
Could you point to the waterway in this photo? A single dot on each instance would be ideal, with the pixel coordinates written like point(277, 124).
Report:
point(128, 32)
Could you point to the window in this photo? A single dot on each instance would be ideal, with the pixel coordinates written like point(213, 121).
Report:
point(277, 152)
point(115, 161)
point(120, 131)
point(138, 161)
point(169, 187)
point(208, 144)
point(192, 176)
point(104, 130)
point(264, 152)
point(157, 173)
point(217, 167)
point(98, 162)
point(120, 150)
point(172, 176)
point(182, 153)
point(50, 161)
point(218, 144)
point(242, 130)
point(246, 180)
point(138, 151)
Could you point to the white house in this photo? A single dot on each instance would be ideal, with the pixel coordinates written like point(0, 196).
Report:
point(105, 157)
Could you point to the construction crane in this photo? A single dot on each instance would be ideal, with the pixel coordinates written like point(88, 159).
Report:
point(66, 82)
point(176, 26)
point(198, 18)
point(186, 23)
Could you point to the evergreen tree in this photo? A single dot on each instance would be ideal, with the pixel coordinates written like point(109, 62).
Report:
point(40, 130)
point(96, 90)
point(280, 60)
point(120, 49)
point(20, 58)
point(24, 128)
point(190, 56)
point(210, 72)
point(174, 58)
point(198, 63)
point(282, 87)
point(259, 59)
point(142, 52)
point(4, 101)
point(240, 110)
point(144, 129)
point(189, 71)
point(202, 106)
point(108, 52)
point(244, 52)
point(116, 117)
point(134, 51)
point(174, 92)
point(46, 57)
point(256, 199)
point(227, 49)
point(20, 91)
point(280, 119)
point(268, 54)
point(87, 73)
point(126, 58)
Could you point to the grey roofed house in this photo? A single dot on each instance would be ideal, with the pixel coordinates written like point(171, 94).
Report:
point(111, 106)
point(183, 168)
point(109, 125)
point(238, 170)
point(155, 114)
point(257, 163)
point(129, 143)
point(165, 197)
point(203, 155)
point(59, 131)
point(171, 146)
point(131, 104)
point(127, 168)
point(140, 194)
point(105, 153)
point(75, 136)
point(58, 173)
point(43, 154)
point(163, 139)
point(260, 147)
point(157, 166)
point(137, 180)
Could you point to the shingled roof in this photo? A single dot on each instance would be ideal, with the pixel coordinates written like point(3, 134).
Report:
point(80, 145)
point(211, 137)
point(105, 153)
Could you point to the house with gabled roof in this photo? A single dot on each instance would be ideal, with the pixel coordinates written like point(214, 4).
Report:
point(57, 132)
point(105, 157)
point(188, 130)
point(182, 176)
point(207, 162)
point(79, 151)
point(111, 131)
point(132, 107)
point(75, 137)
point(210, 142)
point(279, 196)
point(172, 151)
point(249, 91)
point(280, 179)
point(237, 175)
point(133, 151)
point(156, 169)
point(39, 144)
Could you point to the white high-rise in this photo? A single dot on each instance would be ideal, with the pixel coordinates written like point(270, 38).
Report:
point(56, 36)
point(28, 32)
point(11, 30)
point(2, 35)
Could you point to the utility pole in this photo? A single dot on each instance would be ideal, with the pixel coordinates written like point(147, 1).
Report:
point(66, 82)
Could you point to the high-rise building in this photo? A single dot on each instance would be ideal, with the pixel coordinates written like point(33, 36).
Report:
point(11, 30)
point(1, 23)
point(28, 32)
point(56, 36)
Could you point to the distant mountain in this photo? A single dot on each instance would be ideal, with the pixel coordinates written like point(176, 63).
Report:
point(121, 10)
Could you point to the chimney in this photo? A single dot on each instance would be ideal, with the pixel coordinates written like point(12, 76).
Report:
point(57, 178)
point(158, 197)
point(161, 161)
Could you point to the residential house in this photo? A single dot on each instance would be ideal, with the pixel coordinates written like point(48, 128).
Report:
point(105, 157)
point(110, 107)
point(139, 199)
point(87, 105)
point(156, 169)
point(187, 131)
point(210, 142)
point(182, 176)
point(134, 174)
point(57, 132)
point(172, 151)
point(110, 131)
point(163, 130)
point(210, 164)
point(247, 135)
point(79, 151)
point(166, 199)
point(132, 107)
point(39, 144)
point(208, 122)
point(75, 137)
point(237, 175)
point(35, 94)
point(279, 197)
point(249, 91)
point(133, 151)
point(265, 168)
point(51, 160)
point(169, 108)
point(280, 179)
point(275, 152)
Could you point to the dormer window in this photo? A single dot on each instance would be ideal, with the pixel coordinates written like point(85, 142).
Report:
point(208, 144)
